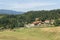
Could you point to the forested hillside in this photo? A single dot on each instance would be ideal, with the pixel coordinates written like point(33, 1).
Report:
point(15, 21)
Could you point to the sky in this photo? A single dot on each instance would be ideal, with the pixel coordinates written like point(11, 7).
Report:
point(29, 5)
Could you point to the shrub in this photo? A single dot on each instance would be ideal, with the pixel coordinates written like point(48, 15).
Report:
point(57, 23)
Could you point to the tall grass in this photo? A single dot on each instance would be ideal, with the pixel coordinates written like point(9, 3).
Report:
point(30, 34)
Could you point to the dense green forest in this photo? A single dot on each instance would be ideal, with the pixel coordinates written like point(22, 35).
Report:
point(15, 21)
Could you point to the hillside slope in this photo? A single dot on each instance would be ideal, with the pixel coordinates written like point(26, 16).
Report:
point(31, 34)
point(9, 12)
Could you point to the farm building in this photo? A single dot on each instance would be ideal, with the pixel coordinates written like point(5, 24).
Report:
point(38, 22)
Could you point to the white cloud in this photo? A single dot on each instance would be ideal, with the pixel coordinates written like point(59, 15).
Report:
point(21, 6)
point(31, 5)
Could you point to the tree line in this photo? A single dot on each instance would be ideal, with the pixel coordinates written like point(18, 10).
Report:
point(15, 21)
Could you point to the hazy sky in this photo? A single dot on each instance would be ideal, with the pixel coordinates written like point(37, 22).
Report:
point(28, 5)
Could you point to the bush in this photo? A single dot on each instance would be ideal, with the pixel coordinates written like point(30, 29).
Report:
point(57, 23)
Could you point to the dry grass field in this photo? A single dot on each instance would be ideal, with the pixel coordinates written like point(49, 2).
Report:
point(51, 33)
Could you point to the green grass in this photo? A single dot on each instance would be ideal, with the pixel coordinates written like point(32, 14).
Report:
point(30, 34)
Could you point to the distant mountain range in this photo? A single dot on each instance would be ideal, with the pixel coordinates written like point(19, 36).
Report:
point(9, 12)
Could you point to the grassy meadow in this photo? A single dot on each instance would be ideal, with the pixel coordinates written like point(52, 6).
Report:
point(51, 33)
